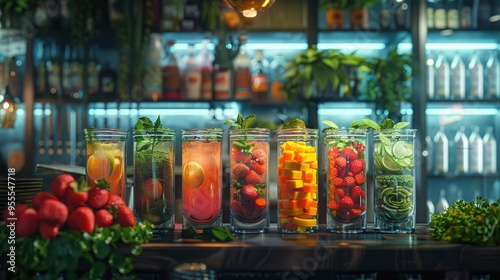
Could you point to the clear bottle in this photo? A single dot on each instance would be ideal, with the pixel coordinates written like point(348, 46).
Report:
point(490, 152)
point(442, 77)
point(93, 69)
point(191, 75)
point(152, 74)
point(242, 73)
point(402, 12)
point(440, 14)
point(66, 72)
point(431, 77)
point(476, 151)
point(205, 60)
point(442, 204)
point(260, 77)
point(441, 152)
point(171, 75)
point(461, 144)
point(452, 15)
point(467, 14)
point(54, 72)
point(493, 76)
point(40, 71)
point(476, 72)
point(429, 154)
point(277, 67)
point(457, 69)
point(430, 13)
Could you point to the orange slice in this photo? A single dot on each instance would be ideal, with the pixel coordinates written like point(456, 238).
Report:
point(193, 174)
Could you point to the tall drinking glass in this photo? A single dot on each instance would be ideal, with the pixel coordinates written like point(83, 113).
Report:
point(394, 196)
point(105, 157)
point(346, 180)
point(249, 150)
point(154, 189)
point(202, 177)
point(297, 180)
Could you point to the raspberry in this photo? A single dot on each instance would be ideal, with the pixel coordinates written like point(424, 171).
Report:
point(239, 156)
point(257, 167)
point(253, 178)
point(350, 153)
point(357, 166)
point(359, 178)
point(240, 170)
point(359, 147)
point(338, 182)
point(350, 174)
point(339, 194)
point(342, 172)
point(333, 172)
point(363, 194)
point(332, 205)
point(333, 152)
point(349, 182)
point(356, 192)
point(259, 156)
point(346, 202)
point(340, 162)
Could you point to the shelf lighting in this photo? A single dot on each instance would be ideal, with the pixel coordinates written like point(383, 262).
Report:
point(169, 112)
point(461, 111)
point(455, 46)
point(179, 47)
point(344, 112)
point(248, 8)
point(352, 46)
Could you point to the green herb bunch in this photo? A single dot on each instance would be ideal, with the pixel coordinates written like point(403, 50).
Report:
point(243, 124)
point(148, 136)
point(476, 222)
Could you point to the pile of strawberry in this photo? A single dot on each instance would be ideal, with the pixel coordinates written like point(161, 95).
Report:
point(70, 204)
point(249, 196)
point(346, 180)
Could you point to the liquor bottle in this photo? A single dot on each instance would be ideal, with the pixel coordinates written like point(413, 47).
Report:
point(441, 152)
point(152, 75)
point(468, 16)
point(385, 15)
point(205, 59)
point(442, 204)
point(490, 152)
point(431, 77)
point(54, 72)
point(76, 69)
point(171, 15)
point(107, 83)
point(402, 12)
point(430, 13)
point(493, 77)
point(192, 16)
point(277, 67)
point(457, 69)
point(442, 77)
point(93, 69)
point(476, 151)
point(476, 77)
point(483, 13)
point(191, 75)
point(461, 144)
point(440, 14)
point(260, 77)
point(40, 71)
point(452, 15)
point(66, 72)
point(242, 73)
point(171, 75)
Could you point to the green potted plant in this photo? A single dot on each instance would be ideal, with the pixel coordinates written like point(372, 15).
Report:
point(388, 83)
point(335, 12)
point(358, 16)
point(314, 70)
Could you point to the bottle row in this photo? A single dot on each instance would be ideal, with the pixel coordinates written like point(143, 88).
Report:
point(464, 14)
point(452, 78)
point(473, 154)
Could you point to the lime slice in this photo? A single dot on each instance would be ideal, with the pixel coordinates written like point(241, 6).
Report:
point(389, 165)
point(404, 162)
point(387, 149)
point(401, 149)
point(377, 147)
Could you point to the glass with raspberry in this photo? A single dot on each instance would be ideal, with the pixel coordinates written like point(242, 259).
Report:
point(346, 180)
point(297, 180)
point(154, 189)
point(249, 150)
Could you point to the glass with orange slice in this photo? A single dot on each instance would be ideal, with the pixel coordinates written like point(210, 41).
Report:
point(202, 177)
point(105, 158)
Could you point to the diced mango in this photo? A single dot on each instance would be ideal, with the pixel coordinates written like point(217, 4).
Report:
point(282, 188)
point(288, 155)
point(311, 203)
point(284, 205)
point(301, 229)
point(285, 196)
point(306, 157)
point(291, 212)
point(305, 216)
point(305, 222)
point(301, 143)
point(311, 211)
point(291, 164)
point(304, 166)
point(300, 148)
point(314, 195)
point(282, 180)
point(294, 184)
point(301, 195)
point(310, 187)
point(310, 175)
point(289, 145)
point(314, 164)
point(294, 174)
point(310, 149)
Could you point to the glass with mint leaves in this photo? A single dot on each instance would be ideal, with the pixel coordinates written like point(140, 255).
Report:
point(346, 158)
point(154, 189)
point(249, 158)
point(394, 169)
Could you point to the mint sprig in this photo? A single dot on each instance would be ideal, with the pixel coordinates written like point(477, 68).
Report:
point(241, 123)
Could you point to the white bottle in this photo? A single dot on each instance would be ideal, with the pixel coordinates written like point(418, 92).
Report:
point(457, 77)
point(476, 151)
point(493, 76)
point(490, 152)
point(205, 60)
point(442, 204)
point(191, 75)
point(442, 77)
point(152, 76)
point(461, 152)
point(429, 154)
point(430, 208)
point(431, 78)
point(476, 71)
point(441, 152)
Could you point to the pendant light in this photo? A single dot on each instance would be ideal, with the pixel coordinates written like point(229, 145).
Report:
point(248, 8)
point(8, 109)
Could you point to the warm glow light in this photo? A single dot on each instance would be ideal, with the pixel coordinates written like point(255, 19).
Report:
point(249, 8)
point(6, 105)
point(249, 13)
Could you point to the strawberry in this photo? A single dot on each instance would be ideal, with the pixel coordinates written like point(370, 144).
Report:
point(350, 174)
point(349, 182)
point(339, 194)
point(82, 218)
point(125, 217)
point(240, 170)
point(332, 171)
point(97, 197)
point(356, 192)
point(259, 156)
point(239, 156)
point(340, 162)
point(249, 193)
point(257, 167)
point(344, 214)
point(61, 184)
point(77, 194)
point(144, 203)
point(53, 211)
point(48, 230)
point(253, 178)
point(152, 188)
point(103, 218)
point(355, 213)
point(18, 209)
point(338, 182)
point(27, 223)
point(360, 147)
point(114, 201)
point(332, 205)
point(359, 178)
point(346, 202)
point(357, 165)
point(350, 153)
point(38, 199)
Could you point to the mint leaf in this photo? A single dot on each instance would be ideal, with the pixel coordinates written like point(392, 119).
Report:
point(158, 125)
point(371, 124)
point(401, 125)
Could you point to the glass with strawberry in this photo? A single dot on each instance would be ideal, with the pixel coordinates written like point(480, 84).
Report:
point(249, 150)
point(346, 180)
point(154, 189)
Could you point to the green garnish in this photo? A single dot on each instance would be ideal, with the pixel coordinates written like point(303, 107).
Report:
point(212, 233)
point(241, 123)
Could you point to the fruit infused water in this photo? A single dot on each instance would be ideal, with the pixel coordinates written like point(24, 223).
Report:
point(105, 158)
point(154, 189)
point(249, 150)
point(202, 177)
point(394, 195)
point(346, 180)
point(297, 180)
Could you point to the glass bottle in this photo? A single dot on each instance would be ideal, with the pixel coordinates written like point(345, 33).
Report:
point(40, 71)
point(171, 14)
point(171, 75)
point(260, 77)
point(483, 13)
point(277, 67)
point(452, 15)
point(430, 13)
point(107, 83)
point(490, 152)
point(242, 73)
point(493, 76)
point(440, 14)
point(402, 12)
point(442, 77)
point(461, 152)
point(191, 20)
point(457, 68)
point(442, 204)
point(152, 75)
point(476, 77)
point(441, 150)
point(385, 15)
point(93, 69)
point(191, 75)
point(431, 77)
point(205, 60)
point(467, 14)
point(66, 72)
point(54, 72)
point(476, 151)
point(76, 69)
